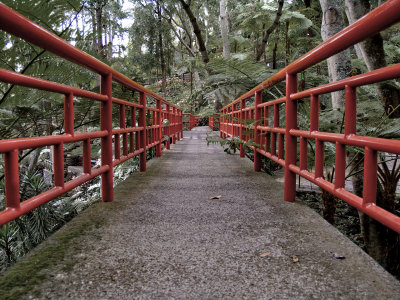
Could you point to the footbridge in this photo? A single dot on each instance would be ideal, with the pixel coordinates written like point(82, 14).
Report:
point(195, 222)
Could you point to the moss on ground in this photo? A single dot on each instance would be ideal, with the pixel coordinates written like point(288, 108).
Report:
point(26, 276)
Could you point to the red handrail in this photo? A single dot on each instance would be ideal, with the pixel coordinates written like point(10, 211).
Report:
point(190, 121)
point(213, 121)
point(269, 138)
point(148, 132)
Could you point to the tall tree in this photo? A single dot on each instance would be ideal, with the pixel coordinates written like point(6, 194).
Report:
point(223, 17)
point(373, 54)
point(196, 30)
point(161, 50)
point(260, 48)
point(339, 65)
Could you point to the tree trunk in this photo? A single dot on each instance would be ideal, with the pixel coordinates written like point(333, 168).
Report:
point(196, 79)
point(339, 65)
point(99, 23)
point(274, 56)
point(161, 51)
point(260, 47)
point(287, 55)
point(374, 56)
point(224, 28)
point(197, 31)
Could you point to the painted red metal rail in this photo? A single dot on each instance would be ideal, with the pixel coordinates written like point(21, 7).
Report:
point(280, 144)
point(190, 121)
point(213, 121)
point(146, 127)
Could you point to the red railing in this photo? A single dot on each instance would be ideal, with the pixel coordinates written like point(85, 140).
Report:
point(269, 138)
point(213, 121)
point(148, 132)
point(189, 121)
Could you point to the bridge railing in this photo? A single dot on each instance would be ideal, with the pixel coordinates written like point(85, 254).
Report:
point(280, 144)
point(146, 128)
point(190, 121)
point(213, 121)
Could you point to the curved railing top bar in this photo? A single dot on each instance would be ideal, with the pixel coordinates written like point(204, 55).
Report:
point(281, 144)
point(383, 17)
point(17, 25)
point(145, 129)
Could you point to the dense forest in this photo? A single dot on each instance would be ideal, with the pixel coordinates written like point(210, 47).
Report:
point(200, 55)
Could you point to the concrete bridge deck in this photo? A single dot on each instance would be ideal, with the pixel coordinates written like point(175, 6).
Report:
point(164, 238)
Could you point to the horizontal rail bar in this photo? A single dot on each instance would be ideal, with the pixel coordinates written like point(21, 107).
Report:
point(45, 85)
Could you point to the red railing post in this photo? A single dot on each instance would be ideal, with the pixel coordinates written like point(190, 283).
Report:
point(143, 132)
point(291, 141)
point(87, 164)
point(107, 190)
point(11, 172)
point(175, 119)
point(58, 162)
point(122, 125)
point(168, 127)
point(181, 124)
point(158, 130)
point(257, 119)
point(222, 124)
point(69, 113)
point(242, 107)
point(370, 176)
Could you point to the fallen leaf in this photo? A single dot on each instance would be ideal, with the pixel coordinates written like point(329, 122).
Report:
point(216, 197)
point(294, 258)
point(338, 256)
point(265, 254)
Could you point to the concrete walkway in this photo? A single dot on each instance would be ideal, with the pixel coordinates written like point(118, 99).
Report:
point(164, 238)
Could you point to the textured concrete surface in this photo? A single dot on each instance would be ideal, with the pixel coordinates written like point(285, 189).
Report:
point(164, 238)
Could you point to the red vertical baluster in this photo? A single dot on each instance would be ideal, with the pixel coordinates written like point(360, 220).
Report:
point(268, 137)
point(280, 146)
point(58, 160)
point(168, 130)
point(106, 142)
point(87, 166)
point(117, 146)
point(350, 109)
point(303, 153)
point(319, 158)
point(11, 172)
point(257, 120)
point(142, 132)
point(122, 120)
point(314, 113)
point(69, 114)
point(291, 141)
point(370, 176)
point(242, 107)
point(340, 165)
point(173, 127)
point(276, 125)
point(132, 134)
point(158, 130)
